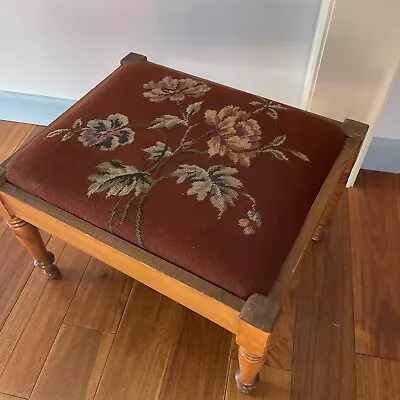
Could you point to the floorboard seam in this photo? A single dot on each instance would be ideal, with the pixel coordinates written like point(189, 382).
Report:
point(113, 340)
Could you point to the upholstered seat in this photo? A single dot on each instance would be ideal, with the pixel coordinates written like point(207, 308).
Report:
point(212, 179)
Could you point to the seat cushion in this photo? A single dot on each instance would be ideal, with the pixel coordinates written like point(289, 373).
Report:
point(212, 179)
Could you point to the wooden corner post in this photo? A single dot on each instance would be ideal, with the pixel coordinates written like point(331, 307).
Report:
point(30, 238)
point(256, 321)
point(355, 132)
point(132, 57)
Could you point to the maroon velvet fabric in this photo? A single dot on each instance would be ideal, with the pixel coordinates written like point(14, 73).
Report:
point(224, 199)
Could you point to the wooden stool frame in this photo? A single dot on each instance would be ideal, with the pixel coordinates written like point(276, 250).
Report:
point(251, 321)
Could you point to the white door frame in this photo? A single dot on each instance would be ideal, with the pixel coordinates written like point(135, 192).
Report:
point(354, 60)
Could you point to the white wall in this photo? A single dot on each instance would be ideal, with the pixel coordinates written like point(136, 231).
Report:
point(388, 125)
point(359, 63)
point(361, 56)
point(62, 48)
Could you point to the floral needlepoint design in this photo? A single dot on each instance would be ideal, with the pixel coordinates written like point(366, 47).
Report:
point(237, 135)
point(108, 133)
point(174, 89)
point(217, 183)
point(231, 135)
point(270, 107)
point(252, 221)
point(67, 133)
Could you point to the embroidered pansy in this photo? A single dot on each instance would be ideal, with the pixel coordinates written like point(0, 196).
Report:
point(107, 134)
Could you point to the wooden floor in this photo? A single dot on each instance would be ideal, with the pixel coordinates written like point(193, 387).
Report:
point(97, 334)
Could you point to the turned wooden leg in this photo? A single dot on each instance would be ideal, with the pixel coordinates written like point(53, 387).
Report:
point(256, 321)
point(30, 237)
point(248, 375)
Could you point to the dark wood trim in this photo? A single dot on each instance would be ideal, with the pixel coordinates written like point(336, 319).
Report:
point(355, 132)
point(132, 57)
point(261, 312)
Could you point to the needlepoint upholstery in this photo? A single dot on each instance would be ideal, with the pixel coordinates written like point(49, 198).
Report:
point(212, 179)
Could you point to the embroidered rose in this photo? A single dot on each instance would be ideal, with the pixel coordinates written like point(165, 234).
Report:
point(174, 89)
point(238, 136)
point(107, 134)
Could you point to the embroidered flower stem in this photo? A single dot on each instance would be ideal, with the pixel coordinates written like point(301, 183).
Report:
point(113, 214)
point(182, 148)
point(139, 215)
point(124, 215)
point(139, 212)
point(184, 117)
point(205, 134)
point(183, 140)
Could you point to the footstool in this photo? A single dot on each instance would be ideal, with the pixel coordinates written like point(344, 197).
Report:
point(207, 194)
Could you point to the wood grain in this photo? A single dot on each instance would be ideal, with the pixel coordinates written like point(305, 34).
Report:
point(74, 366)
point(377, 379)
point(375, 230)
point(7, 397)
point(26, 362)
point(25, 305)
point(280, 347)
point(274, 384)
point(139, 356)
point(200, 355)
point(11, 135)
point(100, 299)
point(15, 268)
point(323, 354)
point(35, 131)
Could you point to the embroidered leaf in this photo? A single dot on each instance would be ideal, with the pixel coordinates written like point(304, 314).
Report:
point(277, 154)
point(159, 150)
point(167, 121)
point(67, 136)
point(272, 113)
point(278, 140)
point(57, 132)
point(119, 179)
point(193, 109)
point(256, 103)
point(77, 124)
point(299, 155)
point(215, 183)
